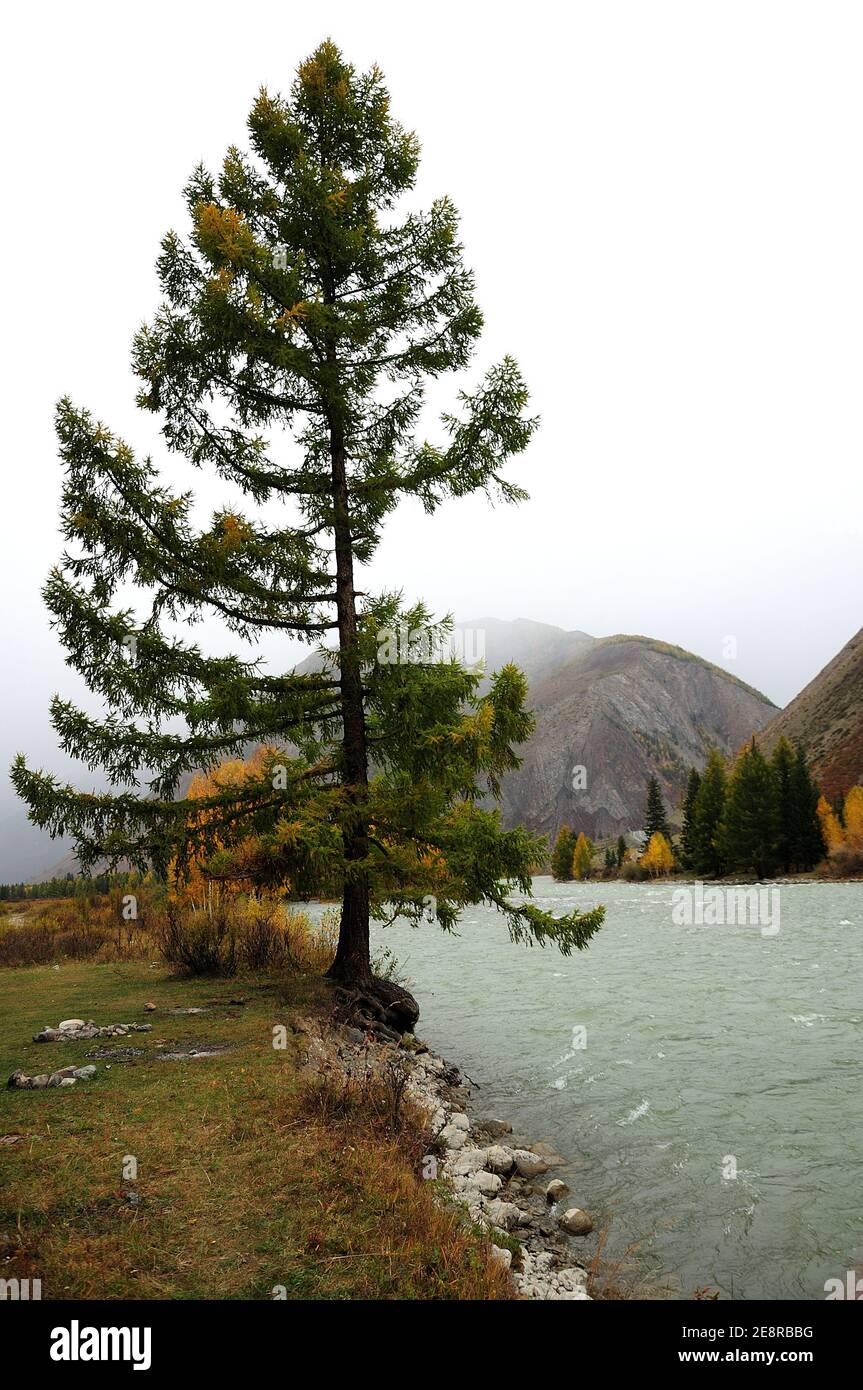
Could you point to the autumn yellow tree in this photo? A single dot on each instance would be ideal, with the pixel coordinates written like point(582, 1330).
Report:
point(853, 817)
point(582, 857)
point(233, 772)
point(658, 858)
point(834, 836)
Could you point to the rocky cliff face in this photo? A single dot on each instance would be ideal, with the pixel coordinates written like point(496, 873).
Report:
point(620, 708)
point(616, 711)
point(827, 718)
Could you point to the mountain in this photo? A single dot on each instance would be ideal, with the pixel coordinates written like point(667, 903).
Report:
point(536, 648)
point(623, 708)
point(827, 718)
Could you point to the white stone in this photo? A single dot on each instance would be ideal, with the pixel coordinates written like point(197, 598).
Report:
point(470, 1161)
point(501, 1256)
point(453, 1137)
point(489, 1184)
point(499, 1159)
point(503, 1214)
point(530, 1165)
point(70, 1024)
point(460, 1120)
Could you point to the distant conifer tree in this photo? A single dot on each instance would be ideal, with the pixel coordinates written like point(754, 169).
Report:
point(749, 832)
point(709, 807)
point(655, 819)
point(561, 855)
point(687, 838)
point(806, 846)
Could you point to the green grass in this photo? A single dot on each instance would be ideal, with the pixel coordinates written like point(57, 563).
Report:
point(241, 1187)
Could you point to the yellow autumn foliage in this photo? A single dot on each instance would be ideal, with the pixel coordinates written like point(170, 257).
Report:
point(658, 858)
point(231, 773)
point(582, 857)
point(853, 816)
point(834, 836)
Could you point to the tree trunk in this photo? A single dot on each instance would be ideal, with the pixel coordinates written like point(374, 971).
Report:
point(352, 964)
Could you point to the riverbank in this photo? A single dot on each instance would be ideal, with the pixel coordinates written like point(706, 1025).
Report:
point(502, 1180)
point(196, 1161)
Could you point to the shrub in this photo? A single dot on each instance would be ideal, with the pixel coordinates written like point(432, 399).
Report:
point(846, 861)
point(73, 929)
point(229, 932)
point(200, 940)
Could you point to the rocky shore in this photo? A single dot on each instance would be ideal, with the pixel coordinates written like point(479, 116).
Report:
point(500, 1178)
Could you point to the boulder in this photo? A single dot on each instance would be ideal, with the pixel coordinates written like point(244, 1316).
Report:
point(501, 1256)
point(529, 1164)
point(556, 1190)
point(453, 1137)
point(489, 1184)
point(504, 1214)
point(495, 1129)
point(499, 1159)
point(469, 1161)
point(576, 1222)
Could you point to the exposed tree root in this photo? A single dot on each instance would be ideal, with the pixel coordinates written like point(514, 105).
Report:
point(385, 1008)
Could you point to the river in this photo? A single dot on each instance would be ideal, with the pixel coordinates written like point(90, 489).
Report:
point(710, 1097)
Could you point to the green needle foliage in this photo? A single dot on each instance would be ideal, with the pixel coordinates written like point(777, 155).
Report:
point(655, 819)
point(302, 321)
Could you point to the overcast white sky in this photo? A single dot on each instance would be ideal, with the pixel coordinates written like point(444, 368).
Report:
point(664, 206)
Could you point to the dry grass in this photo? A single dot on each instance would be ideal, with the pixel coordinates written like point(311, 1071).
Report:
point(228, 932)
point(219, 936)
point(73, 929)
point(248, 1178)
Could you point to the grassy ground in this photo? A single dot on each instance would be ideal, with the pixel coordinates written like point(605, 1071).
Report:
point(242, 1186)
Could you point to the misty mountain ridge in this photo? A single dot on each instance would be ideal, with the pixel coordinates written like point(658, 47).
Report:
point(622, 707)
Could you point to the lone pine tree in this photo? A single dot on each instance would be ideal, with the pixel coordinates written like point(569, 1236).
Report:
point(655, 819)
point(301, 322)
point(561, 855)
